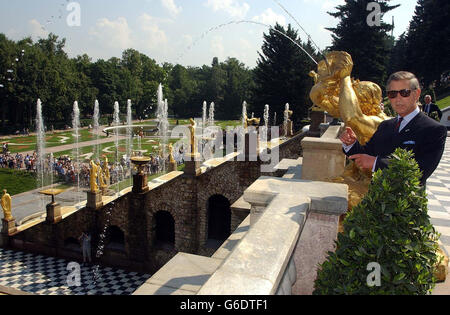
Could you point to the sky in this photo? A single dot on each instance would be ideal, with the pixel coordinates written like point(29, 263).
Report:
point(186, 32)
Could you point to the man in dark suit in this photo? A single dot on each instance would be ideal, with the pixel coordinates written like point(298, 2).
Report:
point(411, 130)
point(430, 108)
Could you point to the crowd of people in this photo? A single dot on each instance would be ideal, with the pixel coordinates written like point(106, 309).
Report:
point(65, 170)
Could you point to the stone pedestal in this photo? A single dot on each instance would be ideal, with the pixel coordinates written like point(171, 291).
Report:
point(289, 127)
point(172, 166)
point(104, 190)
point(9, 226)
point(323, 158)
point(94, 200)
point(54, 213)
point(140, 183)
point(192, 165)
point(317, 118)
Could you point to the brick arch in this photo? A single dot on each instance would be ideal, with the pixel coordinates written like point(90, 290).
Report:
point(218, 217)
point(164, 230)
point(177, 220)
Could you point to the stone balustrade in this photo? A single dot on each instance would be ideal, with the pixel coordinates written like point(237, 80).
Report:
point(273, 257)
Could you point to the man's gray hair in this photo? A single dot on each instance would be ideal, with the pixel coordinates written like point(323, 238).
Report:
point(404, 75)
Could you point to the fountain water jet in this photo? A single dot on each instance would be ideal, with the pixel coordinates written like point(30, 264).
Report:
point(129, 138)
point(76, 150)
point(211, 115)
point(116, 142)
point(266, 122)
point(40, 147)
point(96, 124)
point(163, 123)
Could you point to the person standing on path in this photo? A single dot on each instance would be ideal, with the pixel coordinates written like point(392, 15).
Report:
point(85, 240)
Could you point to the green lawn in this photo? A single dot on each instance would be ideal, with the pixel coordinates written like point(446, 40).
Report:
point(443, 103)
point(28, 143)
point(122, 148)
point(17, 182)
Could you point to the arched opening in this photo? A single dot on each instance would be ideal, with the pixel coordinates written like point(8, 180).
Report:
point(219, 219)
point(115, 239)
point(72, 244)
point(164, 230)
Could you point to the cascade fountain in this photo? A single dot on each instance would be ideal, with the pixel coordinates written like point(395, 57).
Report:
point(275, 119)
point(96, 125)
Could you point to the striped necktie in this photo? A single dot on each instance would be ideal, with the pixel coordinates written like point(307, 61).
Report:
point(399, 122)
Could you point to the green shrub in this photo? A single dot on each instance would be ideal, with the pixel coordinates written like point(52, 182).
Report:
point(390, 227)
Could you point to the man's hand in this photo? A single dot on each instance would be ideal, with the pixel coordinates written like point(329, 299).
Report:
point(348, 137)
point(363, 161)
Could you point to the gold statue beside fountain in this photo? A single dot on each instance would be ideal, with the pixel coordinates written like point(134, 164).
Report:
point(251, 121)
point(93, 176)
point(356, 102)
point(6, 203)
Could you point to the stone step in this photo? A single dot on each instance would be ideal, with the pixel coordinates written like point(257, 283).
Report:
point(291, 168)
point(184, 274)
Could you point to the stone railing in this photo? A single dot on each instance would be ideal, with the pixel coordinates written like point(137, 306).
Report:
point(323, 157)
point(292, 224)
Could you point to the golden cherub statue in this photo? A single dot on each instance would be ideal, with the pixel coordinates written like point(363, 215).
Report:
point(356, 102)
point(6, 205)
point(93, 177)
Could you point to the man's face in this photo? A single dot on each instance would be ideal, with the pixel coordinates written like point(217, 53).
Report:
point(404, 105)
point(427, 100)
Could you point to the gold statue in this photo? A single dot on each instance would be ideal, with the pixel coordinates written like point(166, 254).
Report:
point(106, 169)
point(192, 131)
point(93, 177)
point(356, 102)
point(101, 180)
point(6, 205)
point(251, 121)
point(171, 158)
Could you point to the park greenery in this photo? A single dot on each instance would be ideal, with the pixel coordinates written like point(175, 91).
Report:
point(30, 70)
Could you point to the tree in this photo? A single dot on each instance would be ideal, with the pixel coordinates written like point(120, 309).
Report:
point(281, 75)
point(427, 51)
point(367, 44)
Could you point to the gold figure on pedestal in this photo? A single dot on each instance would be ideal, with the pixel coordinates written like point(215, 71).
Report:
point(356, 102)
point(93, 177)
point(251, 122)
point(6, 205)
point(106, 169)
point(101, 180)
point(171, 158)
point(192, 128)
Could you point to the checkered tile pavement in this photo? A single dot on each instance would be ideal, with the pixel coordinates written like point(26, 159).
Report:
point(438, 191)
point(43, 275)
